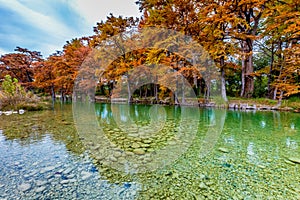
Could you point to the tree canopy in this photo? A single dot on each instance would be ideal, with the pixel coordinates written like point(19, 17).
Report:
point(254, 43)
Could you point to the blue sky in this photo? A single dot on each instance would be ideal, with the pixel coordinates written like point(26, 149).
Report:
point(46, 25)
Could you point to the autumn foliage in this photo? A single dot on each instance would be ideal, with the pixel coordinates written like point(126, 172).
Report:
point(254, 43)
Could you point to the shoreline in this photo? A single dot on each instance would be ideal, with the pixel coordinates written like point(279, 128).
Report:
point(235, 105)
point(231, 105)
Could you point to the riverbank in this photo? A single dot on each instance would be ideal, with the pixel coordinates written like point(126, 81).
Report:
point(232, 104)
point(36, 106)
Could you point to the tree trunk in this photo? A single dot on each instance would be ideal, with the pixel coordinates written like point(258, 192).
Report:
point(129, 91)
point(29, 79)
point(249, 81)
point(247, 69)
point(140, 92)
point(270, 71)
point(281, 95)
point(62, 97)
point(223, 81)
point(280, 58)
point(146, 91)
point(243, 76)
point(275, 93)
point(53, 93)
point(156, 89)
point(183, 89)
point(176, 91)
point(207, 92)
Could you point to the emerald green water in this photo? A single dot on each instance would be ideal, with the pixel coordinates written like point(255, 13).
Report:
point(213, 154)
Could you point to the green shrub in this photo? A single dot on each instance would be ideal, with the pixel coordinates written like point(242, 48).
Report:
point(13, 95)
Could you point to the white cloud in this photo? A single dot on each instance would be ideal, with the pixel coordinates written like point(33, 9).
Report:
point(96, 10)
point(50, 32)
point(2, 52)
point(37, 19)
point(48, 49)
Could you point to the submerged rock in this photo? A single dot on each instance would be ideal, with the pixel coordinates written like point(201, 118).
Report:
point(139, 151)
point(40, 189)
point(289, 162)
point(41, 183)
point(117, 154)
point(145, 145)
point(202, 186)
point(47, 169)
point(294, 160)
point(64, 181)
point(68, 170)
point(113, 159)
point(86, 175)
point(224, 150)
point(24, 187)
point(135, 145)
point(147, 141)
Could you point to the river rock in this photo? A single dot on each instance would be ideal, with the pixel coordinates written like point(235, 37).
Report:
point(24, 187)
point(85, 175)
point(145, 145)
point(113, 159)
point(57, 175)
point(289, 162)
point(40, 189)
point(40, 183)
point(64, 181)
point(47, 169)
point(139, 151)
point(133, 135)
point(209, 183)
point(59, 171)
point(147, 141)
point(67, 171)
point(294, 160)
point(73, 180)
point(117, 154)
point(202, 176)
point(135, 145)
point(17, 163)
point(70, 176)
point(34, 173)
point(128, 153)
point(224, 150)
point(261, 166)
point(202, 186)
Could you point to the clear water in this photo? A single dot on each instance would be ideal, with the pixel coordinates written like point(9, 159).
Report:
point(213, 154)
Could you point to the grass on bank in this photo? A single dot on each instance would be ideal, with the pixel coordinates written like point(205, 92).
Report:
point(253, 101)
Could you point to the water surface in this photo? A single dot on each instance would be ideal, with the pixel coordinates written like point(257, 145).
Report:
point(232, 155)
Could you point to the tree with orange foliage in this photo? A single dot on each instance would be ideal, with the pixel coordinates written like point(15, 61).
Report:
point(119, 66)
point(44, 75)
point(246, 29)
point(282, 31)
point(207, 22)
point(20, 65)
point(58, 72)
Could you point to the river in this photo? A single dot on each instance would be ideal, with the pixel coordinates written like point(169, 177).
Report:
point(117, 151)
